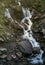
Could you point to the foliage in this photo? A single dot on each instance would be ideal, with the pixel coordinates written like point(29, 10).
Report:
point(5, 32)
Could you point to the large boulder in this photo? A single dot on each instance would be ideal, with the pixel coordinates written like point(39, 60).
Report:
point(25, 47)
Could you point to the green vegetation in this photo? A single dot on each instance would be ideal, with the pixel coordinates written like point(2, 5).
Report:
point(38, 5)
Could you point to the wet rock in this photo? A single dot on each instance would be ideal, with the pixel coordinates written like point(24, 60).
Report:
point(36, 50)
point(19, 54)
point(25, 47)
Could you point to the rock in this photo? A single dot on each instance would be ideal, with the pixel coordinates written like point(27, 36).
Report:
point(26, 3)
point(18, 8)
point(3, 49)
point(43, 31)
point(36, 17)
point(14, 57)
point(25, 47)
point(36, 50)
point(43, 27)
point(9, 58)
point(19, 54)
point(3, 56)
point(43, 16)
point(35, 27)
point(3, 52)
point(1, 39)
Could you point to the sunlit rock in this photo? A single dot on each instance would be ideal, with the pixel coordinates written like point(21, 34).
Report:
point(19, 54)
point(3, 49)
point(14, 57)
point(3, 56)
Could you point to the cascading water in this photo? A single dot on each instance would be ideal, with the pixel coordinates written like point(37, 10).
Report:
point(26, 34)
point(29, 36)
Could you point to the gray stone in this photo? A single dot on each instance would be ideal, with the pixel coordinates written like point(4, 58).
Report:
point(25, 47)
point(19, 54)
point(3, 56)
point(13, 56)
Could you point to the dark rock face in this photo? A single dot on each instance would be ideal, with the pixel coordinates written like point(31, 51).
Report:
point(25, 47)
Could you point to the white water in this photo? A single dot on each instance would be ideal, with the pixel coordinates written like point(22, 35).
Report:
point(37, 59)
point(26, 12)
point(7, 13)
point(29, 36)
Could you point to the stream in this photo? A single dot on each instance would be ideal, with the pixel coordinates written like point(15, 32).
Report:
point(29, 35)
point(36, 59)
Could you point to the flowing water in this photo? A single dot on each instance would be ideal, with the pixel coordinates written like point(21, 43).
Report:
point(28, 34)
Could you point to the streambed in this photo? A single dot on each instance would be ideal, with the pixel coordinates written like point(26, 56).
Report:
point(11, 47)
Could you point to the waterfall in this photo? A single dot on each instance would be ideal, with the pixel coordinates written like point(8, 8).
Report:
point(26, 12)
point(37, 59)
point(29, 35)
